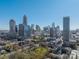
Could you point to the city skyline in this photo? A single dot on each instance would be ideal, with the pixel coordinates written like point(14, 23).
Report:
point(41, 12)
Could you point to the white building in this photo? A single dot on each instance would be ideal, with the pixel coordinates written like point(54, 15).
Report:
point(74, 54)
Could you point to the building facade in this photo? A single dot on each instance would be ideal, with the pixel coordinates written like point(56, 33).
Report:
point(12, 25)
point(66, 29)
point(25, 20)
point(21, 30)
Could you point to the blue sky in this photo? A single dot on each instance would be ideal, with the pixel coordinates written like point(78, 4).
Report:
point(41, 12)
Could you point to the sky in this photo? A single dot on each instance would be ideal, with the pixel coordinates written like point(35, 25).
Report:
point(41, 12)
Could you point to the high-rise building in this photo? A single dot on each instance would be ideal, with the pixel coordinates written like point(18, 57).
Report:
point(32, 28)
point(12, 25)
point(28, 31)
point(25, 25)
point(46, 31)
point(16, 29)
point(53, 25)
point(21, 30)
point(38, 28)
point(58, 32)
point(66, 29)
point(52, 31)
point(12, 31)
point(25, 20)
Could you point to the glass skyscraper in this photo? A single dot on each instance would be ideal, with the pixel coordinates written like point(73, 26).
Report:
point(12, 25)
point(66, 29)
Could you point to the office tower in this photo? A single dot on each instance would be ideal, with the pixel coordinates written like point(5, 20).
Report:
point(25, 20)
point(12, 25)
point(46, 29)
point(28, 31)
point(12, 31)
point(32, 28)
point(51, 32)
point(21, 30)
point(16, 29)
point(54, 29)
point(53, 25)
point(38, 28)
point(58, 32)
point(25, 25)
point(66, 29)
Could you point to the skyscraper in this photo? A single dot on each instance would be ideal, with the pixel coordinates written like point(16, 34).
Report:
point(32, 28)
point(28, 31)
point(16, 29)
point(21, 30)
point(58, 32)
point(38, 28)
point(66, 29)
point(53, 25)
point(24, 20)
point(12, 25)
point(25, 25)
point(52, 31)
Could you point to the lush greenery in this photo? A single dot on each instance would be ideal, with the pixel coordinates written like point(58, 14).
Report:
point(37, 53)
